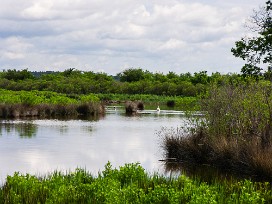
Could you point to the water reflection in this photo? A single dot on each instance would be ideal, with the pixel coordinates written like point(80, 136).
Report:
point(22, 129)
point(203, 172)
point(60, 144)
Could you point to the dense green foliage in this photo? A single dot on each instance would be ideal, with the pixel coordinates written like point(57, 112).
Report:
point(131, 81)
point(43, 97)
point(49, 97)
point(46, 104)
point(128, 184)
point(242, 111)
point(17, 75)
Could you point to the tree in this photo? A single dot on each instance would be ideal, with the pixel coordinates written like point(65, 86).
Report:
point(200, 77)
point(257, 50)
point(68, 72)
point(16, 75)
point(131, 75)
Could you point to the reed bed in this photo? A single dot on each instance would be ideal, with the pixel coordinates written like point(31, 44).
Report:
point(50, 110)
point(234, 134)
point(127, 184)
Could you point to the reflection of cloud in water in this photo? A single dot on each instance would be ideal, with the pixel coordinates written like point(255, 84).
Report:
point(86, 144)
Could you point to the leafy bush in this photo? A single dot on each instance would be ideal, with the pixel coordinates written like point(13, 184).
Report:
point(242, 111)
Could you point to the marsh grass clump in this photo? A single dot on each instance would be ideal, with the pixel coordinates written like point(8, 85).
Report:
point(234, 134)
point(17, 110)
point(140, 105)
point(170, 103)
point(50, 110)
point(131, 107)
point(90, 108)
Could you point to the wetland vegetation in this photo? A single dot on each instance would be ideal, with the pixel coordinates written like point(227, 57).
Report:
point(46, 104)
point(234, 133)
point(128, 184)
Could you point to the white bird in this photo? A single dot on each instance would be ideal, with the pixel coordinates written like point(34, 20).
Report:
point(158, 109)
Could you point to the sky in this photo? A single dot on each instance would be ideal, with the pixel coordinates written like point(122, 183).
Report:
point(110, 36)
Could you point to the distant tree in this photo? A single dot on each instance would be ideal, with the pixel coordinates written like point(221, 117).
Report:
point(16, 75)
point(38, 74)
point(160, 77)
point(131, 75)
point(148, 75)
point(68, 72)
point(200, 78)
point(186, 77)
point(100, 76)
point(171, 75)
point(257, 50)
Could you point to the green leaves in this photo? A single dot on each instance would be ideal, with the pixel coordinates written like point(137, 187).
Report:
point(257, 50)
point(17, 75)
point(240, 111)
point(128, 184)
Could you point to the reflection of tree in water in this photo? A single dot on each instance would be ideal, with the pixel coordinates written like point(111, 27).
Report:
point(206, 173)
point(5, 127)
point(24, 130)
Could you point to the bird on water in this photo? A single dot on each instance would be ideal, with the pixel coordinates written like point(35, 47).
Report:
point(158, 109)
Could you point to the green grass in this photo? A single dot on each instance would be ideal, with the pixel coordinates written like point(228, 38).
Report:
point(43, 97)
point(49, 97)
point(181, 103)
point(46, 103)
point(128, 184)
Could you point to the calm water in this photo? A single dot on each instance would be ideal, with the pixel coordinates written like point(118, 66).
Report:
point(42, 146)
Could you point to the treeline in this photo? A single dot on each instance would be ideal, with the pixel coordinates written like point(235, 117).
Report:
point(130, 81)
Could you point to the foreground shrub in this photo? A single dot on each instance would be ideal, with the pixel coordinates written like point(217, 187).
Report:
point(128, 184)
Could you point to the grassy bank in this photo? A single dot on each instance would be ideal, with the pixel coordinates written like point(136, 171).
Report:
point(128, 184)
point(234, 134)
point(176, 102)
point(47, 104)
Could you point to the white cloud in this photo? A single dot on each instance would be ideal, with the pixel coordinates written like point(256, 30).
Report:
point(14, 48)
point(110, 35)
point(172, 44)
point(39, 10)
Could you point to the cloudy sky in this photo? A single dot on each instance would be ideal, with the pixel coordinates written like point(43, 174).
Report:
point(110, 36)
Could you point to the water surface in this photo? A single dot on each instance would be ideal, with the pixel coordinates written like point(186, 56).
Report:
point(42, 146)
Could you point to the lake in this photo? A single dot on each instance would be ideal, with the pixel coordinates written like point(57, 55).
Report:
point(42, 146)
